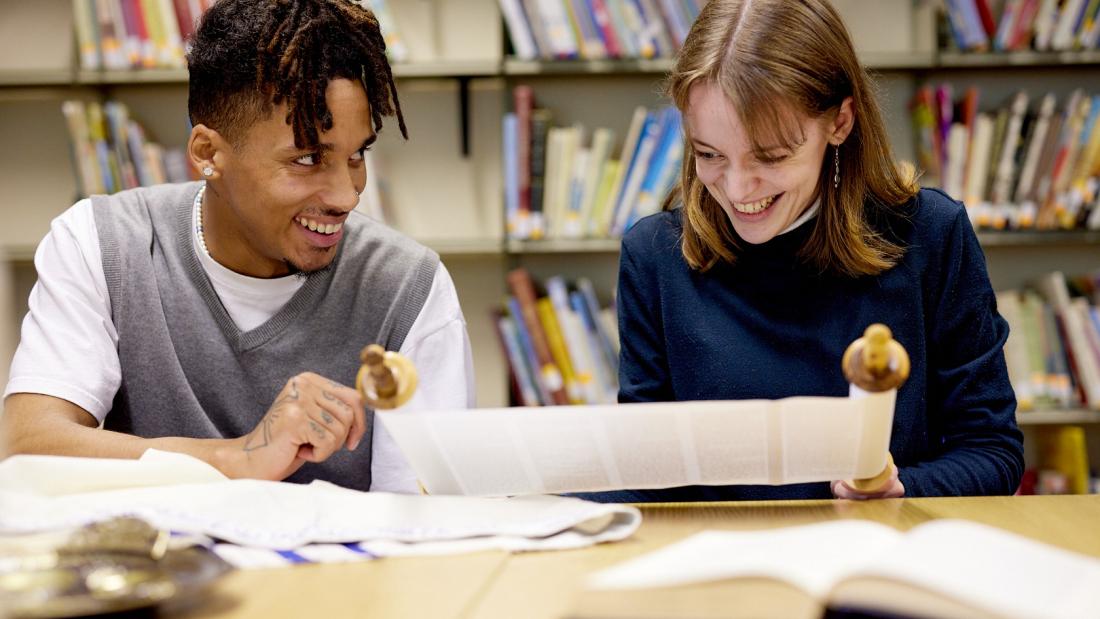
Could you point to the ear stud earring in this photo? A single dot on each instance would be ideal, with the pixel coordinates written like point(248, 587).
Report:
point(208, 171)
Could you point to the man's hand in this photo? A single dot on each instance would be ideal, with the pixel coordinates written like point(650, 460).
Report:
point(892, 490)
point(311, 419)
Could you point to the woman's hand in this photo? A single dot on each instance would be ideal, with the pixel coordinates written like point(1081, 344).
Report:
point(893, 488)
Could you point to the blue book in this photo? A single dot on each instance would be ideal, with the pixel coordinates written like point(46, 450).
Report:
point(609, 348)
point(649, 128)
point(606, 375)
point(662, 167)
point(508, 331)
point(641, 168)
point(511, 174)
point(524, 339)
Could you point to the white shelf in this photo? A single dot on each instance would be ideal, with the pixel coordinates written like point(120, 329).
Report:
point(1033, 238)
point(68, 77)
point(464, 247)
point(447, 247)
point(57, 77)
point(1039, 237)
point(513, 66)
point(564, 246)
point(1052, 417)
point(469, 68)
point(900, 61)
point(886, 61)
point(951, 60)
point(137, 76)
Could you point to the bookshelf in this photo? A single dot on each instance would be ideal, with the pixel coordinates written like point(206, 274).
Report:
point(445, 183)
point(902, 59)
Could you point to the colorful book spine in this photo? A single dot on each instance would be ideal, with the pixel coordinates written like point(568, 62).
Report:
point(549, 373)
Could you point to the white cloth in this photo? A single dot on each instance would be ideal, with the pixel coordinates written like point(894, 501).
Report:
point(69, 346)
point(179, 493)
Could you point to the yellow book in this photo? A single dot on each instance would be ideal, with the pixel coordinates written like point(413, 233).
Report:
point(154, 25)
point(558, 350)
point(1062, 448)
point(598, 219)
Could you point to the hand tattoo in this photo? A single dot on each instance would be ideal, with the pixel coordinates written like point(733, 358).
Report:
point(261, 436)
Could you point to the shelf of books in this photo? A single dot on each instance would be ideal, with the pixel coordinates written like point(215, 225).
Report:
point(1028, 170)
point(1048, 28)
point(143, 42)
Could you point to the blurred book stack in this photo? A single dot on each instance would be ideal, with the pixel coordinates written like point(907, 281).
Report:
point(1021, 25)
point(562, 346)
point(597, 29)
point(561, 183)
point(112, 152)
point(120, 35)
point(1028, 163)
point(1053, 347)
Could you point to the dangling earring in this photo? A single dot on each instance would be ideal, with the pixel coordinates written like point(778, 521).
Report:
point(836, 161)
point(208, 171)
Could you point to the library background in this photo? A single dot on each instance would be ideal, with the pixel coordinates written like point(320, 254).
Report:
point(538, 134)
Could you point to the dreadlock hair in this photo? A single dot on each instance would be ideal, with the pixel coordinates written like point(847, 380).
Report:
point(248, 56)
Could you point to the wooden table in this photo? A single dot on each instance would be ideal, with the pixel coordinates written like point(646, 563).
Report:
point(549, 584)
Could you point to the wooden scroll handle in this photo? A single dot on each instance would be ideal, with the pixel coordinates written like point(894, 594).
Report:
point(386, 379)
point(876, 362)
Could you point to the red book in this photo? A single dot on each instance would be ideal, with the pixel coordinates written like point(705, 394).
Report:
point(184, 18)
point(986, 15)
point(523, 98)
point(548, 374)
point(607, 30)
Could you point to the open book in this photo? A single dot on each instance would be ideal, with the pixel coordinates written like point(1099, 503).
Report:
point(554, 449)
point(943, 568)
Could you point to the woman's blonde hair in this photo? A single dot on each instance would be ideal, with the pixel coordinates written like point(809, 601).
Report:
point(778, 60)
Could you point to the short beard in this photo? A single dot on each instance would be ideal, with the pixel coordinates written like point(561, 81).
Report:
point(301, 273)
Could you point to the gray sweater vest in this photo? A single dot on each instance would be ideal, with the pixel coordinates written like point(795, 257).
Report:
point(187, 370)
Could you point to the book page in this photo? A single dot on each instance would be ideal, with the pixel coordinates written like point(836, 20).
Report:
point(510, 451)
point(995, 571)
point(811, 557)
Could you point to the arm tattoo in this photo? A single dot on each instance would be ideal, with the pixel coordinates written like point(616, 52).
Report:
point(261, 436)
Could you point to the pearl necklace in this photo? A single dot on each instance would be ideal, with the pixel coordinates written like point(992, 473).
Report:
point(198, 221)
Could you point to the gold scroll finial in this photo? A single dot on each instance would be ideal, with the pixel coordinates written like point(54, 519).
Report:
point(876, 362)
point(386, 379)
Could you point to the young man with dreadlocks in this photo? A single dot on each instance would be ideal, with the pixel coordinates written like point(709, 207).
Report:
point(224, 318)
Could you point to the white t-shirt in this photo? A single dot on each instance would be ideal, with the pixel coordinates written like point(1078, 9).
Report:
point(69, 346)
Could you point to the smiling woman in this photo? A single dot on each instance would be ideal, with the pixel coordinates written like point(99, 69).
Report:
point(791, 230)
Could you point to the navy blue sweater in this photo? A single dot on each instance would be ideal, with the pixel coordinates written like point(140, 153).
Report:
point(770, 326)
